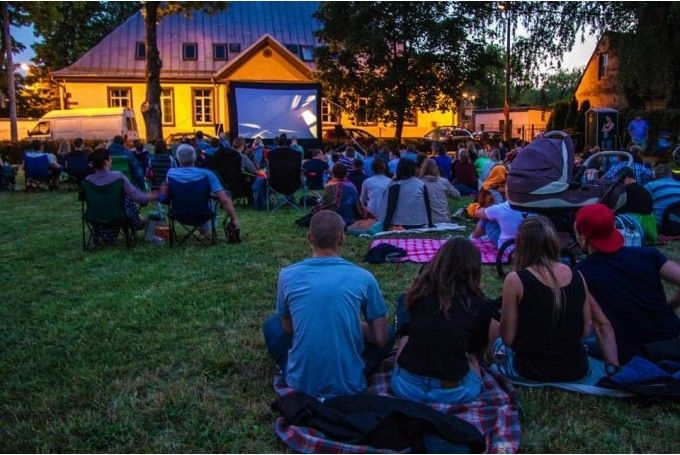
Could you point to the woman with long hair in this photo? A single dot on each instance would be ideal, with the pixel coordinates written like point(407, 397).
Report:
point(443, 321)
point(439, 190)
point(546, 311)
point(405, 200)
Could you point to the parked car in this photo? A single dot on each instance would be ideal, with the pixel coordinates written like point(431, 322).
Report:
point(450, 136)
point(487, 136)
point(337, 134)
point(177, 137)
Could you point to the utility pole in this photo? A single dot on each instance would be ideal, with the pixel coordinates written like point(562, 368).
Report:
point(505, 7)
point(11, 88)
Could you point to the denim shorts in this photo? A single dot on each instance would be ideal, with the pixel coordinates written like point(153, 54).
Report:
point(429, 390)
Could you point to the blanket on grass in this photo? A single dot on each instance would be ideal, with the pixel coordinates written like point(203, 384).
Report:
point(494, 413)
point(423, 250)
point(437, 227)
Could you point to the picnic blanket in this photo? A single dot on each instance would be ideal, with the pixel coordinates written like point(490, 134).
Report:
point(494, 413)
point(437, 227)
point(587, 385)
point(423, 250)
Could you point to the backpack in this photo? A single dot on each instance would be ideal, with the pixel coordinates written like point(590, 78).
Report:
point(630, 228)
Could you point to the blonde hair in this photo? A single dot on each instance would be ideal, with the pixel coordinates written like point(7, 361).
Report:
point(429, 168)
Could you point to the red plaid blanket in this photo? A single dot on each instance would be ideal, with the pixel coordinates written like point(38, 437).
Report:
point(423, 250)
point(494, 413)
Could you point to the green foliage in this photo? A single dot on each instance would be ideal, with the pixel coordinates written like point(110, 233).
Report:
point(556, 87)
point(402, 56)
point(160, 350)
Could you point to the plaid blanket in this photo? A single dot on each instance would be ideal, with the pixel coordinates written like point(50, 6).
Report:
point(423, 250)
point(494, 413)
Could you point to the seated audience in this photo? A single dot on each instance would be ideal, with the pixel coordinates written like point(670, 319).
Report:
point(546, 312)
point(357, 175)
point(444, 322)
point(373, 188)
point(665, 190)
point(627, 282)
point(327, 338)
point(643, 174)
point(117, 148)
point(442, 159)
point(492, 192)
point(341, 195)
point(464, 174)
point(638, 205)
point(439, 190)
point(406, 200)
point(314, 170)
point(499, 222)
point(37, 150)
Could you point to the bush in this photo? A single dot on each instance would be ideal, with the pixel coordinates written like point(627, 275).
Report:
point(13, 152)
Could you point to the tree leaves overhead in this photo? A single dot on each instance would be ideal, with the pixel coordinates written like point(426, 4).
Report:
point(69, 29)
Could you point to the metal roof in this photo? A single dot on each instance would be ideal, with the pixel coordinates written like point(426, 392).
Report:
point(241, 23)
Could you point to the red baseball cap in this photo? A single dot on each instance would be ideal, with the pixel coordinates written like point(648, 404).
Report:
point(596, 223)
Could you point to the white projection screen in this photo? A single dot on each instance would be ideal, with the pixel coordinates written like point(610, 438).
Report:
point(268, 110)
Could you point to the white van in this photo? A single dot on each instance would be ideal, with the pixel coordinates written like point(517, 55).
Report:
point(96, 123)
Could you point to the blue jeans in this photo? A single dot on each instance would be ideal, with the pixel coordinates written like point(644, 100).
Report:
point(464, 190)
point(279, 343)
point(607, 144)
point(492, 230)
point(429, 390)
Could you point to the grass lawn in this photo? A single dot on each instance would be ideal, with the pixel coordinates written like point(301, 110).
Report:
point(155, 349)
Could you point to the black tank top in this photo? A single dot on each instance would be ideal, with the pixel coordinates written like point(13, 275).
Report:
point(549, 350)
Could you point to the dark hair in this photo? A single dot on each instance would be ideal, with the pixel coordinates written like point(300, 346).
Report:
point(456, 269)
point(99, 157)
point(378, 166)
point(160, 147)
point(118, 139)
point(35, 144)
point(215, 142)
point(283, 140)
point(339, 171)
point(405, 169)
point(78, 142)
point(199, 135)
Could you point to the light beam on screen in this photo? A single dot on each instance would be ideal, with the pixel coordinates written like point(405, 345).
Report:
point(270, 110)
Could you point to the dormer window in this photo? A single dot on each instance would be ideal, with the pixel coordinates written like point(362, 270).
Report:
point(294, 48)
point(307, 53)
point(234, 48)
point(603, 65)
point(140, 51)
point(220, 51)
point(189, 51)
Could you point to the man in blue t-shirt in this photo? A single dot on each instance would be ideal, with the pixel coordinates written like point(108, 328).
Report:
point(627, 282)
point(638, 128)
point(329, 330)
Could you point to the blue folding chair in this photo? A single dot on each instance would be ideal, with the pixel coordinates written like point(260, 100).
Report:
point(36, 171)
point(192, 206)
point(77, 168)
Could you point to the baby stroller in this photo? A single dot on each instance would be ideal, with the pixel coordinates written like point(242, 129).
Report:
point(542, 181)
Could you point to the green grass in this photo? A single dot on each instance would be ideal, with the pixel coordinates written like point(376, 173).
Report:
point(155, 349)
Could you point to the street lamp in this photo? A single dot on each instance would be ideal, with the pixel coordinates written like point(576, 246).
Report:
point(505, 7)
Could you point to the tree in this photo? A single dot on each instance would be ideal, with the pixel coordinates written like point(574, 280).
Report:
point(153, 12)
point(400, 56)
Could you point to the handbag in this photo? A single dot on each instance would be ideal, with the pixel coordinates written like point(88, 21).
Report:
point(231, 232)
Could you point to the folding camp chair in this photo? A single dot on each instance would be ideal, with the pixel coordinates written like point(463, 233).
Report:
point(158, 166)
point(192, 206)
point(121, 163)
point(103, 212)
point(77, 168)
point(37, 171)
point(226, 163)
point(284, 167)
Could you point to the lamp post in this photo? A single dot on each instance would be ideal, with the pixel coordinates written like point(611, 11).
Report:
point(505, 7)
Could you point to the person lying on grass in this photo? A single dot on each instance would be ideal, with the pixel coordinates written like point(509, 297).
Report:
point(444, 319)
point(329, 331)
point(546, 313)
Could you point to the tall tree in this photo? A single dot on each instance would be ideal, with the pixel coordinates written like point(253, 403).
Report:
point(401, 56)
point(153, 12)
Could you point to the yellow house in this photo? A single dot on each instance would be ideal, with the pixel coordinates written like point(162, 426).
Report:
point(208, 60)
point(525, 121)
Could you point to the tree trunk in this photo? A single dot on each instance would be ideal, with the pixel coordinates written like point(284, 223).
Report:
point(11, 88)
point(151, 109)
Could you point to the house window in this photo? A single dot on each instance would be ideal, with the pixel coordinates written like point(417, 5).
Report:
point(167, 106)
point(203, 106)
point(120, 97)
point(603, 67)
point(234, 48)
point(329, 112)
point(220, 51)
point(365, 113)
point(189, 51)
point(294, 48)
point(307, 53)
point(140, 51)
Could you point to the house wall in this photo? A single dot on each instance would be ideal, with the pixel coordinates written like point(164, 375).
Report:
point(23, 126)
point(526, 124)
point(600, 92)
point(426, 122)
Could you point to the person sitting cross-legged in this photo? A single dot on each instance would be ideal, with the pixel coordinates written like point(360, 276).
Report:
point(327, 335)
point(546, 313)
point(627, 282)
point(443, 321)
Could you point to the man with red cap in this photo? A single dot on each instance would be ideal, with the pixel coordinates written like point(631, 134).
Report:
point(627, 282)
